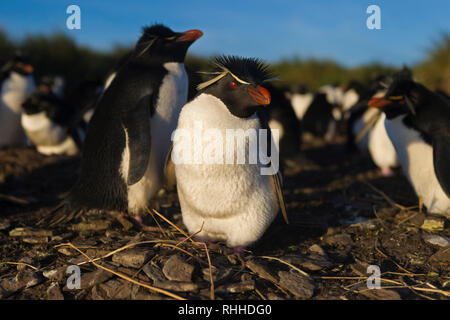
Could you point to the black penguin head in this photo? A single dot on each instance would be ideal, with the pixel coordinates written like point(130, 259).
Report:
point(403, 97)
point(42, 99)
point(300, 89)
point(19, 64)
point(238, 84)
point(424, 110)
point(159, 43)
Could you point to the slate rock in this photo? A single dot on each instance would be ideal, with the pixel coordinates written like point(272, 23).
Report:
point(134, 258)
point(54, 292)
point(437, 240)
point(55, 274)
point(442, 256)
point(261, 270)
point(239, 287)
point(380, 294)
point(300, 286)
point(23, 280)
point(154, 273)
point(311, 262)
point(341, 240)
point(30, 232)
point(117, 289)
point(35, 240)
point(93, 278)
point(8, 286)
point(27, 279)
point(219, 275)
point(315, 248)
point(4, 225)
point(179, 286)
point(177, 269)
point(92, 225)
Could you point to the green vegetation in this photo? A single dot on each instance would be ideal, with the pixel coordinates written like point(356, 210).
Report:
point(58, 54)
point(435, 71)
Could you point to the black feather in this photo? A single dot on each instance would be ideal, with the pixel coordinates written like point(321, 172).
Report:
point(251, 70)
point(155, 31)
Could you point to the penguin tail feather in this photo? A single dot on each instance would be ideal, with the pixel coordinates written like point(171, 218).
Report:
point(60, 214)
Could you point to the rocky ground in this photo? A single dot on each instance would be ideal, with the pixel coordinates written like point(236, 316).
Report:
point(343, 217)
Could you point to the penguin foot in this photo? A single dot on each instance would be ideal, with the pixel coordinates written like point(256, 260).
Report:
point(203, 239)
point(387, 172)
point(143, 226)
point(238, 249)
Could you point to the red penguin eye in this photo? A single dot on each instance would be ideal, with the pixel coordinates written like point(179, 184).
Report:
point(233, 85)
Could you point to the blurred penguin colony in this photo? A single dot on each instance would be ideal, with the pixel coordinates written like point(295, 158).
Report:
point(50, 89)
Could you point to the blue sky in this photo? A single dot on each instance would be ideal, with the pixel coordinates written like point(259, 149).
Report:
point(270, 30)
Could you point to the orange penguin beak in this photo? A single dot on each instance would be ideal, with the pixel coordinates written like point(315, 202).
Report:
point(379, 102)
point(190, 35)
point(28, 68)
point(261, 96)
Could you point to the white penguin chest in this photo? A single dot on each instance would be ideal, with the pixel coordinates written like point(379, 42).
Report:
point(381, 148)
point(416, 158)
point(41, 130)
point(171, 98)
point(349, 99)
point(300, 103)
point(15, 90)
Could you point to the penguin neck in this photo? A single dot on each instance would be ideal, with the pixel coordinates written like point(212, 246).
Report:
point(175, 68)
point(214, 113)
point(173, 92)
point(18, 81)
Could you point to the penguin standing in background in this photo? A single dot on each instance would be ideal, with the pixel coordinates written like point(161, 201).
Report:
point(56, 84)
point(300, 98)
point(49, 123)
point(17, 85)
point(354, 92)
point(335, 96)
point(129, 134)
point(282, 117)
point(366, 130)
point(232, 202)
point(418, 124)
point(314, 111)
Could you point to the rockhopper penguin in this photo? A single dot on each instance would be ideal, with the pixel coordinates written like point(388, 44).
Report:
point(16, 87)
point(418, 124)
point(129, 134)
point(50, 123)
point(231, 202)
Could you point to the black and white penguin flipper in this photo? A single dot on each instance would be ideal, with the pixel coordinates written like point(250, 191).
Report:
point(138, 138)
point(277, 177)
point(441, 160)
point(278, 193)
